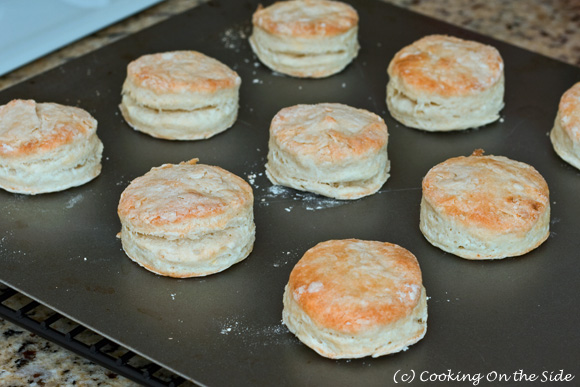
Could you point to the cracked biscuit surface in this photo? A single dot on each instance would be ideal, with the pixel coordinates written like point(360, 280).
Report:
point(47, 147)
point(180, 95)
point(330, 149)
point(443, 83)
point(353, 298)
point(187, 220)
point(306, 38)
point(485, 207)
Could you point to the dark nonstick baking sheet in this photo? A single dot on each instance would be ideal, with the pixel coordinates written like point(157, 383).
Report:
point(489, 318)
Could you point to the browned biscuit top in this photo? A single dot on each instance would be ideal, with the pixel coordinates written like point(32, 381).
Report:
point(306, 18)
point(351, 285)
point(174, 195)
point(490, 192)
point(181, 71)
point(569, 110)
point(28, 128)
point(328, 131)
point(447, 66)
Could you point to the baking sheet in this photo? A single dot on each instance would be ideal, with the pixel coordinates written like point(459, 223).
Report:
point(486, 318)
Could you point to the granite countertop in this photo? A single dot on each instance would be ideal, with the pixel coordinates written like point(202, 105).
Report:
point(551, 28)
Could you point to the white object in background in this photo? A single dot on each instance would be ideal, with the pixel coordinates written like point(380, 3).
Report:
point(30, 29)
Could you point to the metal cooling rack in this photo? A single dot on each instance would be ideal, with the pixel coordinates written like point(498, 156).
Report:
point(41, 320)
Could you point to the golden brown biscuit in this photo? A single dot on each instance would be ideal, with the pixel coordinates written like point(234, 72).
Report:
point(565, 134)
point(180, 95)
point(187, 220)
point(353, 298)
point(47, 147)
point(330, 149)
point(306, 38)
point(485, 207)
point(442, 83)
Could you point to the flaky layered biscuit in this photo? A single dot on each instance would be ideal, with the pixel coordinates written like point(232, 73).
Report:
point(330, 149)
point(187, 220)
point(485, 207)
point(306, 38)
point(353, 298)
point(180, 95)
point(442, 83)
point(47, 147)
point(565, 134)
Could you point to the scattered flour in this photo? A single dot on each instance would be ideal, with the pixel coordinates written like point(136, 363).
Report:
point(234, 37)
point(253, 335)
point(74, 200)
point(252, 176)
point(309, 201)
point(283, 259)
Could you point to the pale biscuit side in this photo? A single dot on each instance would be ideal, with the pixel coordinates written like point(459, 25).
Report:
point(565, 145)
point(433, 113)
point(215, 249)
point(177, 124)
point(305, 58)
point(454, 237)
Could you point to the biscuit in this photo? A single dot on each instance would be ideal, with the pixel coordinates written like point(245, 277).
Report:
point(187, 220)
point(565, 134)
point(47, 147)
point(442, 83)
point(485, 207)
point(180, 95)
point(305, 38)
point(330, 149)
point(353, 298)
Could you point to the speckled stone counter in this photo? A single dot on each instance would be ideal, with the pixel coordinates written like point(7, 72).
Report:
point(27, 360)
point(551, 28)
